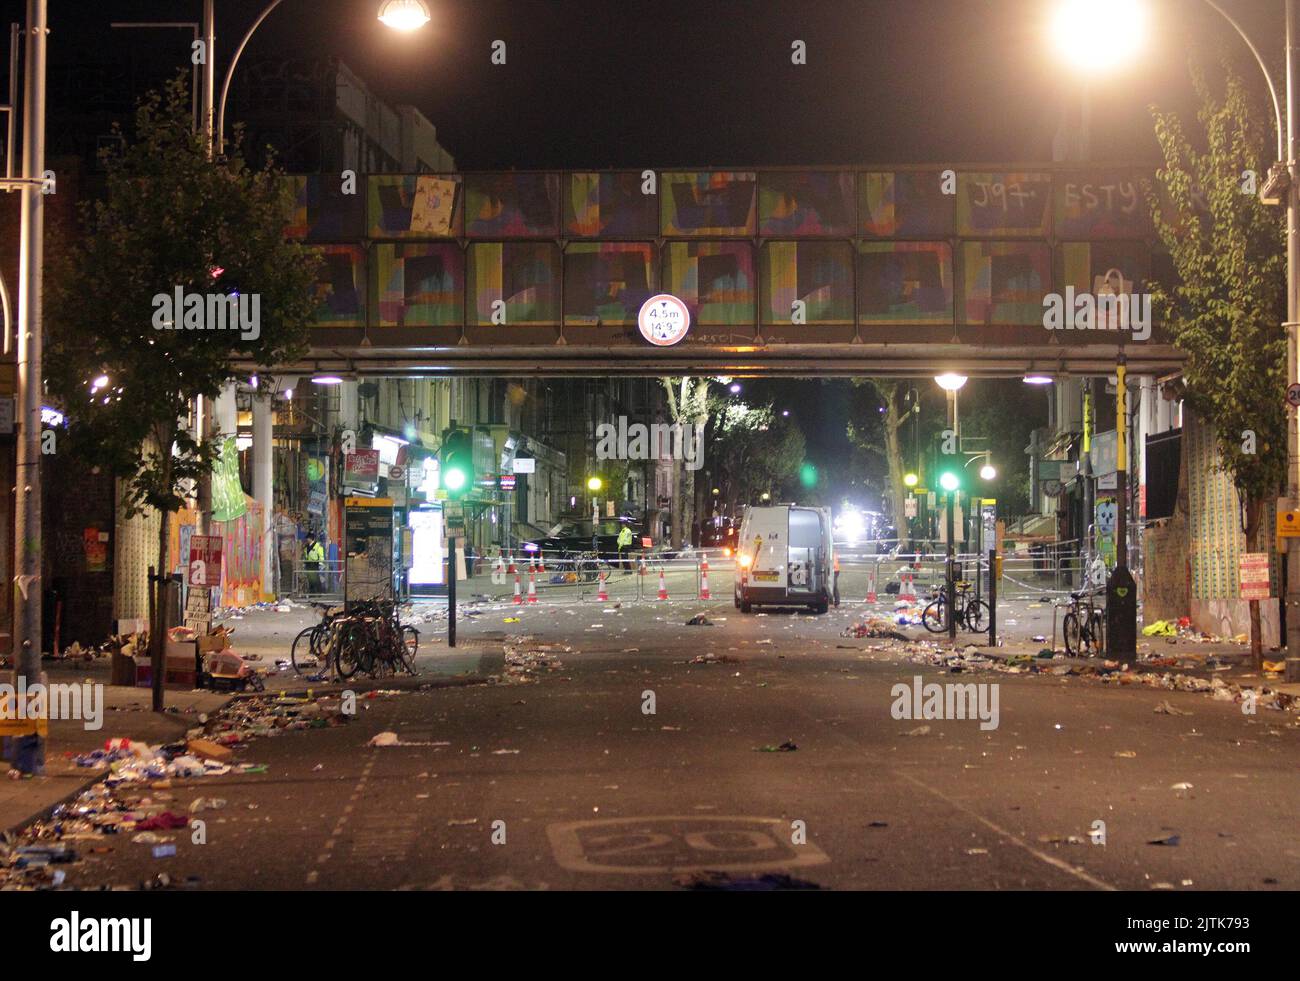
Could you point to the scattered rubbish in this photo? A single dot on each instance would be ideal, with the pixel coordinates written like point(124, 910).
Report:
point(699, 620)
point(918, 731)
point(977, 851)
point(1124, 754)
point(164, 851)
point(785, 747)
point(1160, 628)
point(461, 822)
point(1164, 708)
point(1181, 788)
point(1171, 841)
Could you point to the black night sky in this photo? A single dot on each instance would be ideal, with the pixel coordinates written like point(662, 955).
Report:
point(654, 83)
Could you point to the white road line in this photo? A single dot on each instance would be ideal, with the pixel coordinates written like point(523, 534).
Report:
point(1013, 839)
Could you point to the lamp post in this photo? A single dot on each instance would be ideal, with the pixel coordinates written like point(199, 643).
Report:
point(1086, 31)
point(28, 583)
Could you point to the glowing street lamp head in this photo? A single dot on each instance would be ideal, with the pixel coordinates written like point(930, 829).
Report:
point(950, 381)
point(594, 484)
point(404, 15)
point(911, 480)
point(1097, 35)
point(988, 472)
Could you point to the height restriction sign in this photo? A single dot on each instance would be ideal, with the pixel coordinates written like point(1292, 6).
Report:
point(205, 560)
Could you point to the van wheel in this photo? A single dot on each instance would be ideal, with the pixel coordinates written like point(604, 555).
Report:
point(822, 607)
point(736, 599)
point(745, 606)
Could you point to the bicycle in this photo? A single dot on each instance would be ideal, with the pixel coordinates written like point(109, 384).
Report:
point(971, 612)
point(372, 639)
point(308, 652)
point(1084, 627)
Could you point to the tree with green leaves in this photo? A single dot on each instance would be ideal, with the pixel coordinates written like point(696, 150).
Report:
point(1226, 310)
point(123, 367)
point(753, 450)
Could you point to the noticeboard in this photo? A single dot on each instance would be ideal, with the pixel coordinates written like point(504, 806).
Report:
point(368, 549)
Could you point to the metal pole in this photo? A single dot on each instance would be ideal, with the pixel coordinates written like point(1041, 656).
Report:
point(993, 597)
point(451, 592)
point(27, 516)
point(1121, 590)
point(1292, 316)
point(952, 580)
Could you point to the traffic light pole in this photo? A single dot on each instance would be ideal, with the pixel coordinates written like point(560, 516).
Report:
point(952, 580)
point(451, 592)
point(1121, 590)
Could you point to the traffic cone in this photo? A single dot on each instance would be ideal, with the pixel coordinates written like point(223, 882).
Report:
point(512, 571)
point(663, 586)
point(602, 596)
point(532, 586)
point(541, 562)
point(909, 585)
point(871, 588)
point(518, 596)
point(704, 578)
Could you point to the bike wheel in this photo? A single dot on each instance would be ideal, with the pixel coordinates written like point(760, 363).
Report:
point(303, 654)
point(410, 646)
point(346, 653)
point(977, 616)
point(935, 617)
point(1095, 636)
point(1072, 631)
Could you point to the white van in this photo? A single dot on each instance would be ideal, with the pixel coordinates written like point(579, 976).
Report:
point(784, 557)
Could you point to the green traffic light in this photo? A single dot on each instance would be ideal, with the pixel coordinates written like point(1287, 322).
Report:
point(949, 481)
point(454, 480)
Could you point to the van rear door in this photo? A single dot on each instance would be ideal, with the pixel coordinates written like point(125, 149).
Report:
point(803, 565)
point(768, 536)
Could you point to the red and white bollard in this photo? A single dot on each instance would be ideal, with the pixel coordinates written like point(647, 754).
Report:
point(871, 587)
point(532, 586)
point(704, 578)
point(663, 586)
point(602, 596)
point(908, 589)
point(519, 597)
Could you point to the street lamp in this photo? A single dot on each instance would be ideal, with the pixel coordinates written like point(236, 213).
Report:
point(950, 381)
point(400, 15)
point(1098, 35)
point(404, 15)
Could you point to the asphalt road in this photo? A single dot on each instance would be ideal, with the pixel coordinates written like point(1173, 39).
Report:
point(568, 783)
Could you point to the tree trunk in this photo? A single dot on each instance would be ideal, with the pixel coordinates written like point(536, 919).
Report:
point(894, 452)
point(1254, 518)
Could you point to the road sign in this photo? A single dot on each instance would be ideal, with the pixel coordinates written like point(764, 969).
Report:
point(205, 560)
point(1293, 395)
point(664, 320)
point(1252, 573)
point(397, 473)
